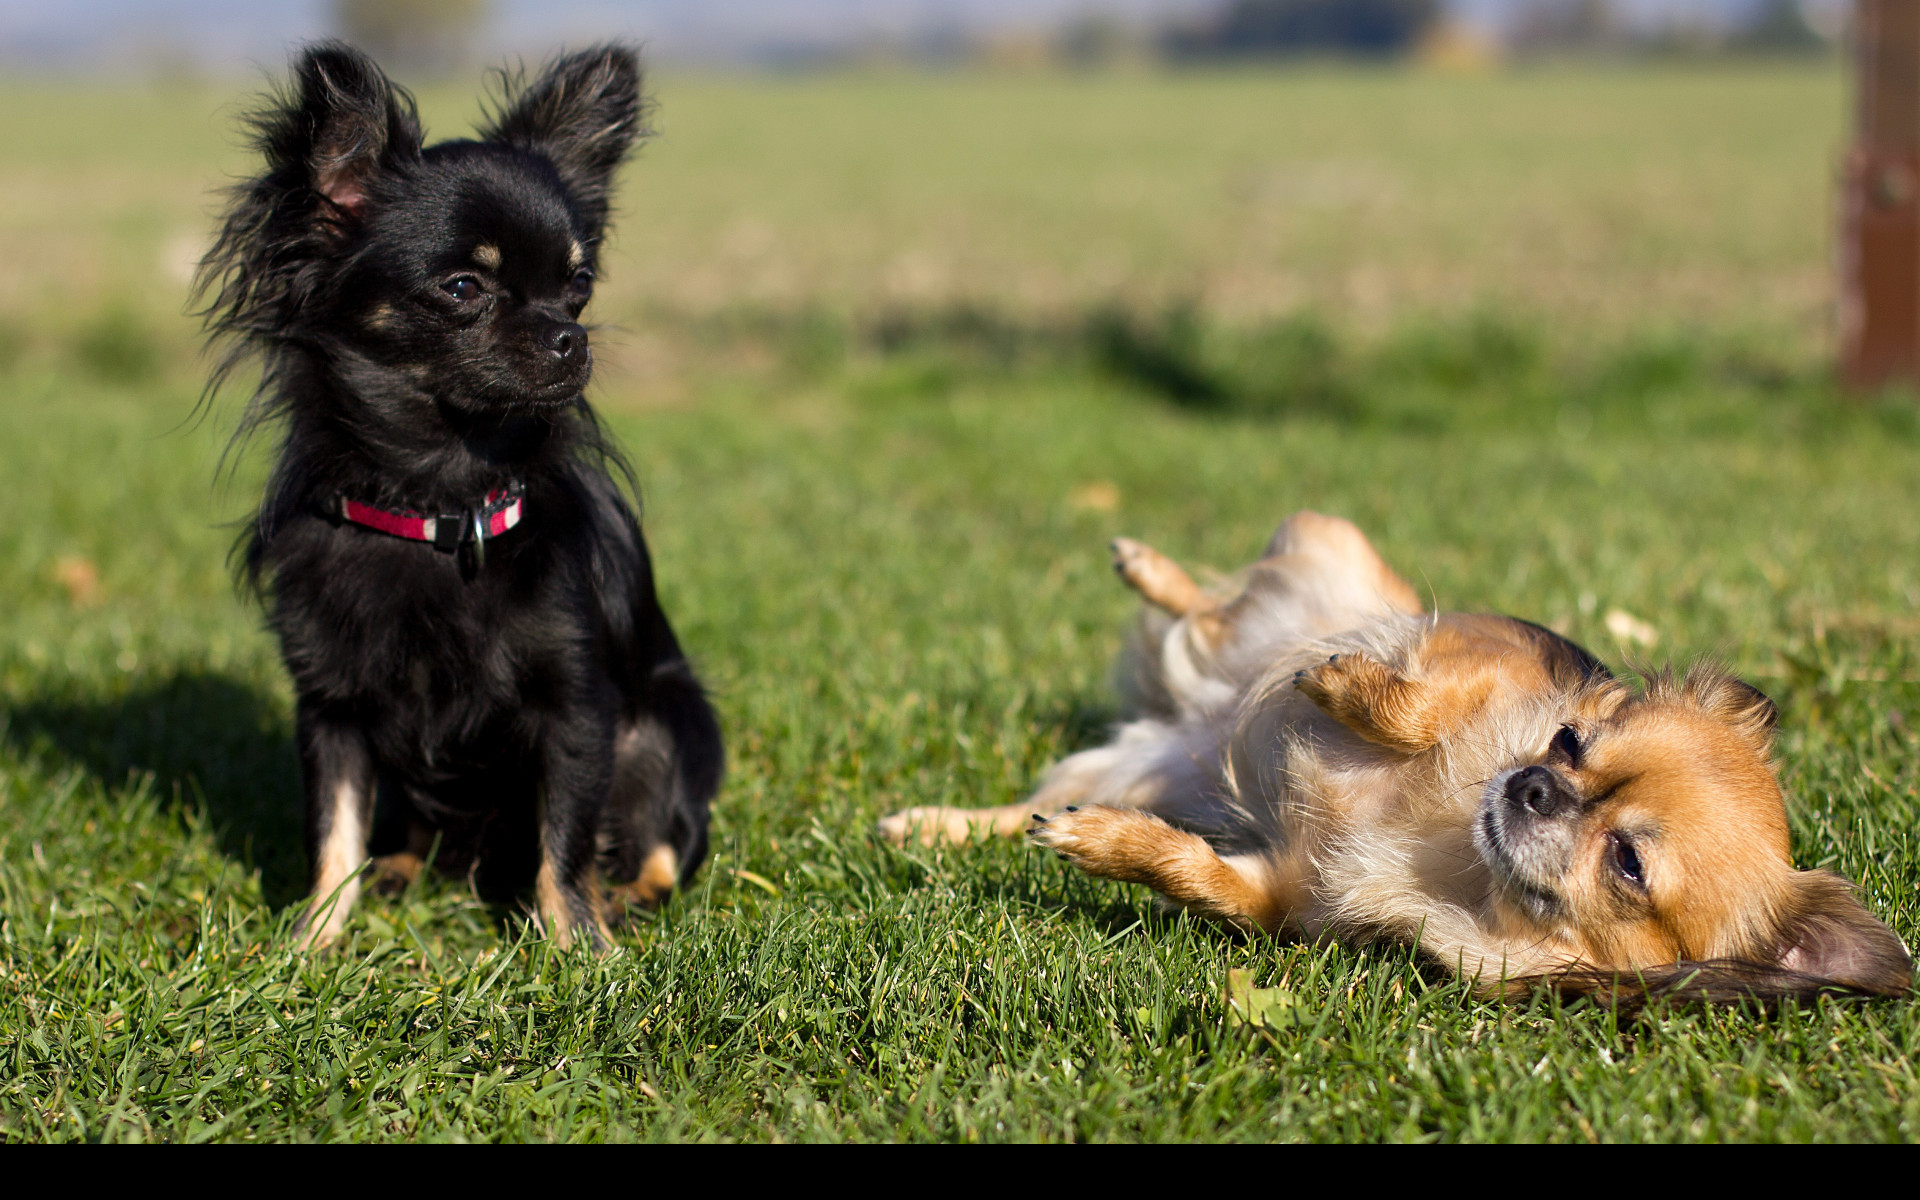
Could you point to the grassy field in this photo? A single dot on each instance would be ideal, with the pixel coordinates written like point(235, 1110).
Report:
point(895, 356)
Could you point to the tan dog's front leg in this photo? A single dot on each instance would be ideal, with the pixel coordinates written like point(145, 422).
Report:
point(1375, 701)
point(1135, 847)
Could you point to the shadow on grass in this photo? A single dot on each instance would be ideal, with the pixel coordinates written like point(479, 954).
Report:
point(1082, 725)
point(207, 739)
point(226, 745)
point(1481, 371)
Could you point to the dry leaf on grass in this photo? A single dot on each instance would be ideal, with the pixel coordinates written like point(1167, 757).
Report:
point(1099, 496)
point(80, 578)
point(1629, 628)
point(1273, 1008)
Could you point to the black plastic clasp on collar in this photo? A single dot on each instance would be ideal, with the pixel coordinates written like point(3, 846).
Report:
point(447, 531)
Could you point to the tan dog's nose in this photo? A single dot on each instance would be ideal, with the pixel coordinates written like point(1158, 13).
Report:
point(1537, 789)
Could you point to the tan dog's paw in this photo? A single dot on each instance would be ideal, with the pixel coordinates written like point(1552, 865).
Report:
point(1370, 698)
point(1114, 843)
point(1132, 561)
point(1065, 833)
point(1159, 580)
point(1346, 686)
point(934, 825)
point(894, 828)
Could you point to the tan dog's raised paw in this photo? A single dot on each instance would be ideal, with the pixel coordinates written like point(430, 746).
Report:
point(1159, 580)
point(1347, 686)
point(1370, 698)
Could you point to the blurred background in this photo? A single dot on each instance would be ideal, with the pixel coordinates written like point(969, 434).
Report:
point(1137, 172)
point(214, 35)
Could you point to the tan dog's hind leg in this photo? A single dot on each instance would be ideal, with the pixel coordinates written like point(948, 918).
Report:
point(1160, 581)
point(553, 905)
point(1166, 585)
point(1340, 544)
point(1070, 781)
point(1136, 847)
point(934, 824)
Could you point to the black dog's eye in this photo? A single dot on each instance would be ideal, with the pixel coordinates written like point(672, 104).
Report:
point(1565, 747)
point(582, 282)
point(463, 288)
point(1626, 860)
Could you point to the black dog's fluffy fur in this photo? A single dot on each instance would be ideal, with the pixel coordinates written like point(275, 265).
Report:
point(415, 313)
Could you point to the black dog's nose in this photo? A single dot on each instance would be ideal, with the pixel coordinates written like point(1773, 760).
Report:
point(567, 342)
point(1537, 789)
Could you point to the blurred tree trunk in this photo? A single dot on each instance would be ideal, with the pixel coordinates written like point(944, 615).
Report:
point(1879, 315)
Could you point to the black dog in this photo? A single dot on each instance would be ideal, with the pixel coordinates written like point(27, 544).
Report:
point(462, 594)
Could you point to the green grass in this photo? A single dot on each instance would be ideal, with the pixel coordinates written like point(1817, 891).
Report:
point(873, 528)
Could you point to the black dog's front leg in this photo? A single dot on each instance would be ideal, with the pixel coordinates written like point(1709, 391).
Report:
point(337, 771)
point(577, 771)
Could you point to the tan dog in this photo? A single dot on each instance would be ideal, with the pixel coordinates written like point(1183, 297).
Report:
point(1316, 755)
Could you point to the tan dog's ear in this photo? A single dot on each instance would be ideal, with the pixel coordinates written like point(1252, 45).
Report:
point(1830, 935)
point(1749, 710)
point(1827, 942)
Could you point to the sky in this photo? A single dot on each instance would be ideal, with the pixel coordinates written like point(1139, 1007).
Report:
point(54, 35)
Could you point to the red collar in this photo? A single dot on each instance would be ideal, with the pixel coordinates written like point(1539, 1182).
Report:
point(499, 512)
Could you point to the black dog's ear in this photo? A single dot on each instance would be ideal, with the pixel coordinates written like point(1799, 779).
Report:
point(343, 123)
point(327, 139)
point(346, 123)
point(583, 113)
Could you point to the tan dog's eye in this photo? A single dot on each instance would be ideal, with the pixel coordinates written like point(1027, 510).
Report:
point(1565, 747)
point(1626, 860)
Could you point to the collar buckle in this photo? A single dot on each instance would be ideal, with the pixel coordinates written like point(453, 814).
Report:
point(447, 531)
